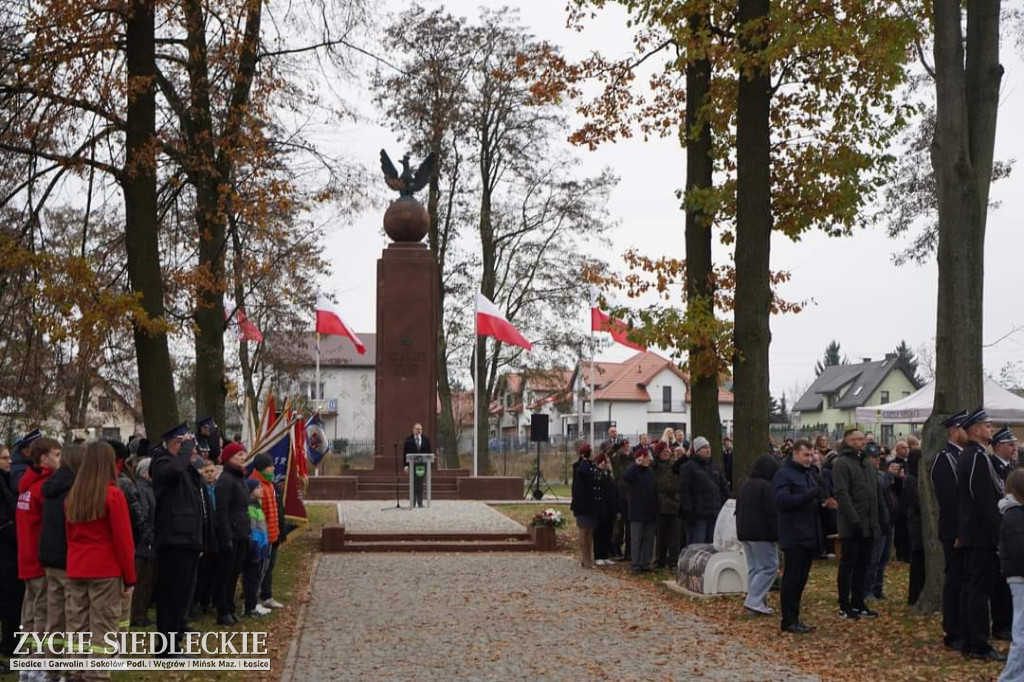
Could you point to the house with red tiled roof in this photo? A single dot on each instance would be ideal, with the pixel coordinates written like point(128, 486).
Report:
point(647, 393)
point(523, 394)
point(644, 394)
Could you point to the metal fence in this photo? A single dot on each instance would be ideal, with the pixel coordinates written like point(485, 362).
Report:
point(508, 457)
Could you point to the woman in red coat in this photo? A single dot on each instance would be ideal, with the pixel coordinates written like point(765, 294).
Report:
point(101, 553)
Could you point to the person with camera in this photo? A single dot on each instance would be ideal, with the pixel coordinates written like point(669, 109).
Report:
point(888, 511)
point(607, 493)
point(620, 461)
point(642, 488)
point(181, 532)
point(668, 536)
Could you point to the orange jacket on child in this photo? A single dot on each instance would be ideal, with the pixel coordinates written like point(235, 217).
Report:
point(269, 504)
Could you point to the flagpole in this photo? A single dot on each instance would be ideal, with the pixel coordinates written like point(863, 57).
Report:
point(316, 389)
point(476, 385)
point(593, 405)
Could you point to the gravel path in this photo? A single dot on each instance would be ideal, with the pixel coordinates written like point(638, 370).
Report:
point(442, 515)
point(502, 617)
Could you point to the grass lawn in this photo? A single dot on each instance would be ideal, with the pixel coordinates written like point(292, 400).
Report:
point(898, 645)
point(291, 580)
point(562, 492)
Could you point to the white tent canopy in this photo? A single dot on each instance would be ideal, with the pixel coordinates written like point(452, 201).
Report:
point(1002, 407)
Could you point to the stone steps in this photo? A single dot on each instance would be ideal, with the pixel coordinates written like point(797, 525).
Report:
point(355, 536)
point(439, 546)
point(334, 538)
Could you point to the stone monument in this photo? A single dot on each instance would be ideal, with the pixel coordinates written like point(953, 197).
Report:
point(407, 319)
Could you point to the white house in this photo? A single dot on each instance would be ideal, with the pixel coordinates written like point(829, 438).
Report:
point(644, 394)
point(347, 387)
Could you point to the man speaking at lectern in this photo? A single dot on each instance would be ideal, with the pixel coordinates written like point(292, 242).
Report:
point(417, 444)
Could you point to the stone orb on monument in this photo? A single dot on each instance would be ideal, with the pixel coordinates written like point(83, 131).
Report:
point(406, 220)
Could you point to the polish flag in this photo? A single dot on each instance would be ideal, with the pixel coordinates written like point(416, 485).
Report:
point(490, 322)
point(329, 321)
point(601, 321)
point(244, 328)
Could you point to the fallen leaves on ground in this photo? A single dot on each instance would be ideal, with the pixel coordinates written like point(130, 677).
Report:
point(897, 646)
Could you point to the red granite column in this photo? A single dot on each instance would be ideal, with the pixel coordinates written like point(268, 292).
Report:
point(407, 300)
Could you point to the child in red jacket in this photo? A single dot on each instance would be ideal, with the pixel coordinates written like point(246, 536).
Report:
point(101, 553)
point(44, 459)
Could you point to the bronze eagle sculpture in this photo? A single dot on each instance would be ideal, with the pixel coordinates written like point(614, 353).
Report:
point(408, 183)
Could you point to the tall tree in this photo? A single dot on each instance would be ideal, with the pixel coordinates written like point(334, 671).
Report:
point(695, 136)
point(967, 77)
point(753, 234)
point(833, 358)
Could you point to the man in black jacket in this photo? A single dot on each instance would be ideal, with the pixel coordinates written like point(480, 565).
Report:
point(944, 481)
point(417, 444)
point(643, 510)
point(181, 518)
point(702, 492)
point(798, 498)
point(979, 493)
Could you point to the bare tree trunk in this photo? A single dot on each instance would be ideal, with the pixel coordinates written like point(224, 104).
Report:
point(966, 99)
point(447, 436)
point(700, 288)
point(210, 174)
point(752, 334)
point(156, 382)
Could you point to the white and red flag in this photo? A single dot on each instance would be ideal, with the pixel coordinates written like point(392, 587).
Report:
point(329, 321)
point(237, 320)
point(601, 321)
point(490, 322)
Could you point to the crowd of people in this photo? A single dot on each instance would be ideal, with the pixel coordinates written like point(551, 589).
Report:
point(95, 533)
point(815, 500)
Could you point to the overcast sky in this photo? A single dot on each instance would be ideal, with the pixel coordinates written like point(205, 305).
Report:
point(859, 297)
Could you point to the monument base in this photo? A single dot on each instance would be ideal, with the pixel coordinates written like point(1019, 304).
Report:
point(406, 373)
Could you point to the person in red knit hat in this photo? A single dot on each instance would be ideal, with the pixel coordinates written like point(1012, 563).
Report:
point(232, 531)
point(44, 459)
point(101, 552)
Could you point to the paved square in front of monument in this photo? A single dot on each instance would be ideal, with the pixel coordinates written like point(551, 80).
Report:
point(504, 617)
point(442, 516)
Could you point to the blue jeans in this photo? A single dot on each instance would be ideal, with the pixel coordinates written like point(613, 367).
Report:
point(762, 567)
point(880, 553)
point(1014, 669)
point(700, 531)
